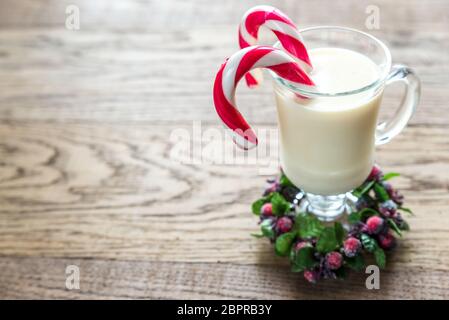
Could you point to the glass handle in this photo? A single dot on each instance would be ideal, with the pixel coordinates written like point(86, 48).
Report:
point(388, 130)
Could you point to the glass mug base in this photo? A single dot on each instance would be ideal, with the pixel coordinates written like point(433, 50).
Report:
point(326, 208)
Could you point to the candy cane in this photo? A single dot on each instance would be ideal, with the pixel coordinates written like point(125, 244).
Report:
point(281, 25)
point(232, 71)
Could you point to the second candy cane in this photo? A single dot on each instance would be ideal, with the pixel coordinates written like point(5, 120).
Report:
point(281, 25)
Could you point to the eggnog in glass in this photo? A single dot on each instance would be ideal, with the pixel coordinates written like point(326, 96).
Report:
point(328, 135)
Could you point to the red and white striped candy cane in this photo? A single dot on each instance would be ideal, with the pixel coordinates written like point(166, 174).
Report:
point(281, 25)
point(232, 71)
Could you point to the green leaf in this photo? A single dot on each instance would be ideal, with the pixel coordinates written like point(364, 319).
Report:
point(327, 241)
point(340, 232)
point(364, 188)
point(356, 263)
point(390, 175)
point(368, 243)
point(341, 273)
point(394, 226)
point(256, 207)
point(285, 182)
point(296, 268)
point(257, 235)
point(284, 243)
point(308, 226)
point(379, 256)
point(381, 193)
point(304, 259)
point(404, 226)
point(406, 210)
point(368, 212)
point(267, 228)
point(280, 205)
point(361, 215)
point(292, 254)
point(354, 217)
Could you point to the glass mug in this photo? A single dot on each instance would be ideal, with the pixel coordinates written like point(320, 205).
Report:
point(328, 153)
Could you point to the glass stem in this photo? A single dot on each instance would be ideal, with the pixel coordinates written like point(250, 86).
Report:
point(326, 208)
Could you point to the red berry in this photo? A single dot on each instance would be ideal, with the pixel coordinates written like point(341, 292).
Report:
point(397, 197)
point(284, 224)
point(387, 241)
point(394, 194)
point(302, 244)
point(351, 247)
point(267, 209)
point(375, 173)
point(334, 260)
point(311, 276)
point(374, 224)
point(388, 208)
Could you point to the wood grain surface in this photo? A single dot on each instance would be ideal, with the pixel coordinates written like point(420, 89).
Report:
point(88, 175)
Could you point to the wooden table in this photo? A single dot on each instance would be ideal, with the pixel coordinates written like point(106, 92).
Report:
point(88, 176)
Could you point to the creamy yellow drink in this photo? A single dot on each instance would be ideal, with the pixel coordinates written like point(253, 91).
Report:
point(327, 143)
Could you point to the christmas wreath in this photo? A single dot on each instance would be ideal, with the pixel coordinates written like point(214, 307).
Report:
point(322, 250)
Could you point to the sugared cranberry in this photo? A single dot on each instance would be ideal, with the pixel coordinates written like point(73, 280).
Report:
point(387, 241)
point(302, 244)
point(400, 222)
point(290, 193)
point(334, 260)
point(356, 228)
point(311, 276)
point(284, 224)
point(267, 209)
point(375, 174)
point(362, 203)
point(374, 224)
point(394, 194)
point(388, 208)
point(351, 247)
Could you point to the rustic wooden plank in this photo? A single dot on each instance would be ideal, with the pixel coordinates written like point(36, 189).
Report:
point(88, 175)
point(407, 15)
point(119, 192)
point(59, 76)
point(39, 278)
